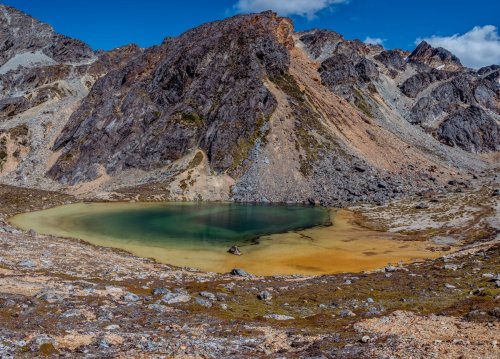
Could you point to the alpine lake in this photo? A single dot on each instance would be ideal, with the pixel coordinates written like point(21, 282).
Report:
point(273, 239)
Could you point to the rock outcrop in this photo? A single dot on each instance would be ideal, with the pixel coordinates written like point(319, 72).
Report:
point(178, 96)
point(427, 87)
point(27, 42)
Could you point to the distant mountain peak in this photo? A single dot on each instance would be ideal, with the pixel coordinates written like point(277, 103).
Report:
point(424, 53)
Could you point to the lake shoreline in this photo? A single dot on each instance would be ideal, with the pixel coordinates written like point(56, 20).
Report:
point(307, 251)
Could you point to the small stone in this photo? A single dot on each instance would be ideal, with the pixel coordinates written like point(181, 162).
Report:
point(208, 295)
point(390, 269)
point(373, 311)
point(240, 272)
point(279, 317)
point(347, 281)
point(131, 297)
point(451, 267)
point(449, 286)
point(347, 313)
point(112, 327)
point(223, 306)
point(71, 313)
point(50, 297)
point(203, 302)
point(488, 275)
point(497, 283)
point(173, 298)
point(234, 250)
point(370, 300)
point(421, 206)
point(265, 295)
point(28, 263)
point(160, 291)
point(365, 339)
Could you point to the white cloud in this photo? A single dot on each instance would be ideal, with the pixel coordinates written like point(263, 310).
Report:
point(374, 41)
point(477, 48)
point(305, 8)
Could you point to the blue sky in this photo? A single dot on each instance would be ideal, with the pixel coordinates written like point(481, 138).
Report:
point(105, 24)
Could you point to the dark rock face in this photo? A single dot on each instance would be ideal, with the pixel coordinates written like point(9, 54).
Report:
point(419, 82)
point(20, 33)
point(440, 88)
point(448, 100)
point(319, 42)
point(392, 58)
point(338, 70)
point(470, 129)
point(434, 57)
point(178, 96)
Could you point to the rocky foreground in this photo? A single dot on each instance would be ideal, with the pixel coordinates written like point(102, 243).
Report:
point(65, 298)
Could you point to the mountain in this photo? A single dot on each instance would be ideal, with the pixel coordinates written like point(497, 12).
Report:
point(244, 109)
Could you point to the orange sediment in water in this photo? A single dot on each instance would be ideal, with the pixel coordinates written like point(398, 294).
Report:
point(342, 246)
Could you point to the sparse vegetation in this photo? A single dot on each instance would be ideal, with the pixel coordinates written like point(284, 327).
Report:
point(361, 103)
point(309, 128)
point(192, 118)
point(244, 146)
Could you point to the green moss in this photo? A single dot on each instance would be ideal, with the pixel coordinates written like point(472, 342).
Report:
point(196, 161)
point(67, 157)
point(288, 85)
point(19, 131)
point(361, 104)
point(245, 145)
point(192, 118)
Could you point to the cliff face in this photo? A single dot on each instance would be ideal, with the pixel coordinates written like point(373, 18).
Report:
point(241, 109)
point(204, 89)
point(43, 76)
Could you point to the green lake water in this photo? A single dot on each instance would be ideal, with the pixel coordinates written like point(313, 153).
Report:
point(194, 225)
point(274, 239)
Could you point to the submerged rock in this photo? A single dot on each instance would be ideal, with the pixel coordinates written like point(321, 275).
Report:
point(234, 250)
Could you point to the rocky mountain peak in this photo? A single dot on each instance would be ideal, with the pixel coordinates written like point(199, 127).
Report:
point(25, 41)
point(320, 42)
point(438, 57)
point(179, 96)
point(242, 108)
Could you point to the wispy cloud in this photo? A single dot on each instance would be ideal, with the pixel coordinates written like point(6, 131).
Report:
point(305, 8)
point(476, 48)
point(374, 41)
